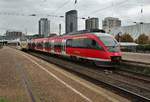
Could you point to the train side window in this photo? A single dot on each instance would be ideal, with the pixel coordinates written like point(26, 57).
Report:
point(46, 44)
point(37, 44)
point(69, 43)
point(40, 44)
point(43, 45)
point(57, 45)
point(49, 44)
point(78, 43)
point(83, 43)
point(92, 44)
point(33, 44)
point(95, 45)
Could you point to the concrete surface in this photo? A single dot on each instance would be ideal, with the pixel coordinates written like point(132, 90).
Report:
point(24, 78)
point(138, 57)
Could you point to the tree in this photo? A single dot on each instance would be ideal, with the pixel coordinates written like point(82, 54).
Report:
point(126, 38)
point(149, 39)
point(142, 39)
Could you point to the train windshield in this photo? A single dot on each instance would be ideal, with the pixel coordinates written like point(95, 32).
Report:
point(108, 41)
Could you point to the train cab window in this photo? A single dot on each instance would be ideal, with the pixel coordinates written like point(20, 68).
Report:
point(108, 41)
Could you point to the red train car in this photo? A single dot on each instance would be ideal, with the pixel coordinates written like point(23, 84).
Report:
point(98, 47)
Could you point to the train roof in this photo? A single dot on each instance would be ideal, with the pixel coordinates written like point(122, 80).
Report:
point(103, 34)
point(85, 31)
point(78, 33)
point(75, 35)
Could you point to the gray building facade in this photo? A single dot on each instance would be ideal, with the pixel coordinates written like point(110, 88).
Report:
point(133, 30)
point(71, 21)
point(91, 23)
point(44, 27)
point(12, 35)
point(110, 22)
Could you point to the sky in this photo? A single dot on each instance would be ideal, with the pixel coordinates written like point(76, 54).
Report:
point(14, 14)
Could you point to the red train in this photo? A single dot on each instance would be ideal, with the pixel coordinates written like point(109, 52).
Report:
point(95, 46)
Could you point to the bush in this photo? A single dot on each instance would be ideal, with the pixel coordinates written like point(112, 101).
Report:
point(142, 39)
point(140, 47)
point(145, 47)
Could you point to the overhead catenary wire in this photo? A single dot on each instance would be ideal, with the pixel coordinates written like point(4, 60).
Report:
point(61, 6)
point(32, 15)
point(108, 7)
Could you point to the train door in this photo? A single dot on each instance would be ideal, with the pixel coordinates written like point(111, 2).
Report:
point(52, 46)
point(63, 47)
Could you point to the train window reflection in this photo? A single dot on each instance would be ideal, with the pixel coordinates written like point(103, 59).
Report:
point(83, 43)
point(108, 41)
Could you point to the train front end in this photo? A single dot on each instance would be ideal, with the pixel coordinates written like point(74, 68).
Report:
point(111, 47)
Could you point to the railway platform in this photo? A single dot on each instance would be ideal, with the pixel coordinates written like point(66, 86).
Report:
point(137, 57)
point(25, 78)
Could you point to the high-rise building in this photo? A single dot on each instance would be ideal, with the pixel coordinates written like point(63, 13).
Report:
point(44, 27)
point(110, 22)
point(71, 23)
point(92, 23)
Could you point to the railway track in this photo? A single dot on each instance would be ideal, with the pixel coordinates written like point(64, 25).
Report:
point(128, 85)
point(133, 75)
point(135, 67)
point(135, 62)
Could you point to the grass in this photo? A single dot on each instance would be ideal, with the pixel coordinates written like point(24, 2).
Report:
point(3, 100)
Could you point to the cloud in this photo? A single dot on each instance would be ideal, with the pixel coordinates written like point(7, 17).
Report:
point(127, 10)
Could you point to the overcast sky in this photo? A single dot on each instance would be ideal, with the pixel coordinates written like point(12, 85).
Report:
point(128, 11)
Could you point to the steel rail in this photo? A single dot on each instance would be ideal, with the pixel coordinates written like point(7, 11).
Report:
point(135, 97)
